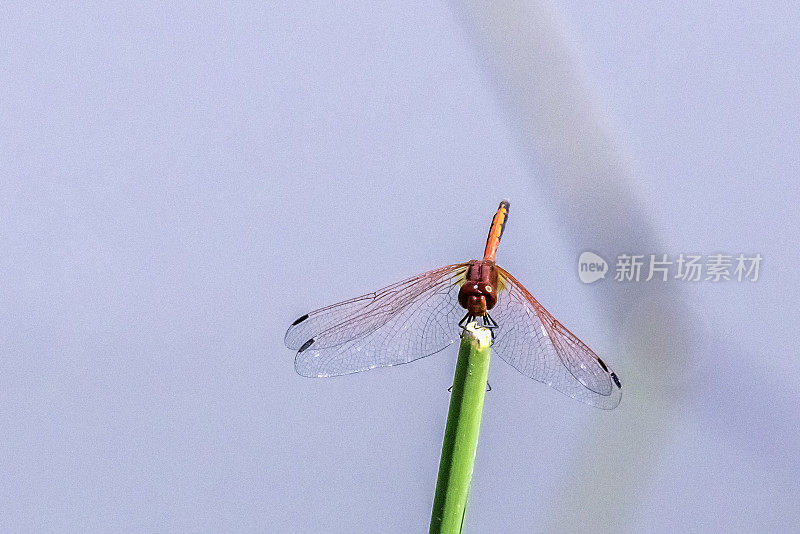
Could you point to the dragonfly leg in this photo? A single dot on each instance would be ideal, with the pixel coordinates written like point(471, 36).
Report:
point(487, 320)
point(488, 387)
point(490, 323)
point(468, 318)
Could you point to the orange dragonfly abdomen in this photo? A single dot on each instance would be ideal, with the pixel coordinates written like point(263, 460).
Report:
point(496, 231)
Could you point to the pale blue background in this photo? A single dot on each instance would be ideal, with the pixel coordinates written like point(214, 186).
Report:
point(179, 183)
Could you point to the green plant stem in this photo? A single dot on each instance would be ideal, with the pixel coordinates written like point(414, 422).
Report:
point(461, 431)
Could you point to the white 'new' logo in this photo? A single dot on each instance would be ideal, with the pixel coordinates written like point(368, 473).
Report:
point(591, 267)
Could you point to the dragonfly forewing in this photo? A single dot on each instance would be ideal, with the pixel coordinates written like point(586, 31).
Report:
point(403, 322)
point(540, 347)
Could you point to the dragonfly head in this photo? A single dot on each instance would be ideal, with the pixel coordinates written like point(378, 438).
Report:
point(477, 297)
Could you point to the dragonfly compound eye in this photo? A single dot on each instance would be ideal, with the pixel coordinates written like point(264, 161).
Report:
point(490, 295)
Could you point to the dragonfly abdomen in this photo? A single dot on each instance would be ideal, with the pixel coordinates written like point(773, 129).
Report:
point(496, 231)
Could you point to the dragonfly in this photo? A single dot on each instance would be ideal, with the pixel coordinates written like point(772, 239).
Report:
point(419, 316)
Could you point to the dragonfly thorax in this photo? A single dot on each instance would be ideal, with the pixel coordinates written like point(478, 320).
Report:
point(478, 294)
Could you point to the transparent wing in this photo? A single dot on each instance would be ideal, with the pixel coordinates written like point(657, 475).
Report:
point(400, 323)
point(538, 346)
